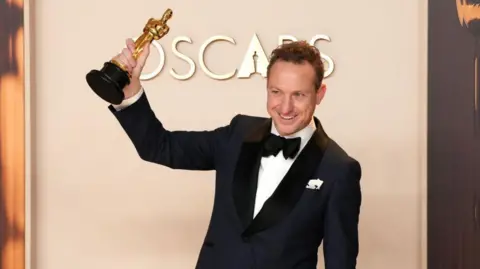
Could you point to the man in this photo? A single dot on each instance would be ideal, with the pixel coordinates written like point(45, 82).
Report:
point(282, 185)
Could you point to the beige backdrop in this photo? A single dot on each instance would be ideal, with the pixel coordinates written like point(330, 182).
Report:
point(97, 205)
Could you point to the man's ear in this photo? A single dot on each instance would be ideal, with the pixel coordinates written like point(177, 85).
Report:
point(321, 93)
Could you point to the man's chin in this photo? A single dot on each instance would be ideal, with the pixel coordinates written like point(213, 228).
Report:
point(286, 129)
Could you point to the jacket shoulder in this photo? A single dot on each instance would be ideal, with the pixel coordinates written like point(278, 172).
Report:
point(341, 160)
point(248, 119)
point(242, 123)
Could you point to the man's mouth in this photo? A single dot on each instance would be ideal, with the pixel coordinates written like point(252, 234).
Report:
point(287, 117)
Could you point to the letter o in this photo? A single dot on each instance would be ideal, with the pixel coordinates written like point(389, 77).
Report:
point(160, 65)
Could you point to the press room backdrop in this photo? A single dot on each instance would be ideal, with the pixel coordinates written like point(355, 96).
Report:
point(97, 204)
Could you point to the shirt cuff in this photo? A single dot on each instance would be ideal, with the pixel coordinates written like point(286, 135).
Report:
point(130, 101)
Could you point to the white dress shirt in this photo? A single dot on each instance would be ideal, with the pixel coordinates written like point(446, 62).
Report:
point(127, 102)
point(272, 168)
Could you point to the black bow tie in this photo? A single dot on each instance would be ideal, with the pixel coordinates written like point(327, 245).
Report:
point(274, 143)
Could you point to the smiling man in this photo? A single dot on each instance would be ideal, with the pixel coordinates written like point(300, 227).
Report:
point(282, 185)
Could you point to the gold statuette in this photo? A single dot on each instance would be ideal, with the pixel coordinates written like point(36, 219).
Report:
point(108, 83)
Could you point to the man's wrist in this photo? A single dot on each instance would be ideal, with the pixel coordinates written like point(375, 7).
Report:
point(129, 101)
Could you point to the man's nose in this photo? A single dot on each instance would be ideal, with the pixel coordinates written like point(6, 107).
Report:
point(287, 106)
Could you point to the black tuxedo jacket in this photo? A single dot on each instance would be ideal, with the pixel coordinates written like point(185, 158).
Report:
point(290, 227)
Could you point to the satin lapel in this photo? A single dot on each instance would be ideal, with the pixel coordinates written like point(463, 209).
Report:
point(289, 191)
point(246, 172)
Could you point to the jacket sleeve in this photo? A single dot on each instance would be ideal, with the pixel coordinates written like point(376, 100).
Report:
point(340, 244)
point(187, 150)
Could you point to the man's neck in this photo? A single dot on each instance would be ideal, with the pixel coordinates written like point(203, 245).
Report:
point(305, 134)
point(307, 130)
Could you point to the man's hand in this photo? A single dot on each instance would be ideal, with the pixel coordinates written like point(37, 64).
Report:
point(134, 67)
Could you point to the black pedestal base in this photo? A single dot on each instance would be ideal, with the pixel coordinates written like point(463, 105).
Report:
point(108, 83)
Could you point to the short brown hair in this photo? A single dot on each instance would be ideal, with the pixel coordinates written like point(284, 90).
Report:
point(299, 52)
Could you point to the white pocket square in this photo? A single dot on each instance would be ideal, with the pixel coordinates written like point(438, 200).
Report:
point(314, 184)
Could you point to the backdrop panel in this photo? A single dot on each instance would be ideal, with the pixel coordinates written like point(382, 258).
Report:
point(12, 135)
point(454, 134)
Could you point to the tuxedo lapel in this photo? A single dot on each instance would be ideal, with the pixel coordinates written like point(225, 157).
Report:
point(246, 172)
point(289, 191)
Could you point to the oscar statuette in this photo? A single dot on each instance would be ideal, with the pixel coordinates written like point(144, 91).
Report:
point(469, 16)
point(108, 83)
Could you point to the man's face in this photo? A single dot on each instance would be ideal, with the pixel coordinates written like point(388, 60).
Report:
point(291, 96)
